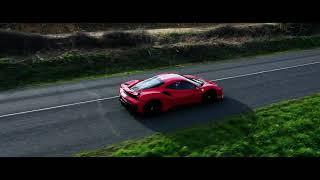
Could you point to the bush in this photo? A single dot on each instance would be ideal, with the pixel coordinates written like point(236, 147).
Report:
point(298, 29)
point(83, 40)
point(120, 38)
point(18, 42)
point(252, 31)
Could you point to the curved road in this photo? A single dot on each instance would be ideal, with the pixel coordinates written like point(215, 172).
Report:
point(60, 120)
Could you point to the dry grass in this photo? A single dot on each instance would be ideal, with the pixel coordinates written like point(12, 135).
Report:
point(58, 28)
point(32, 58)
point(17, 42)
point(47, 67)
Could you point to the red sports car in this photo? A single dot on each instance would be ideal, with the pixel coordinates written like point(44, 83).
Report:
point(165, 91)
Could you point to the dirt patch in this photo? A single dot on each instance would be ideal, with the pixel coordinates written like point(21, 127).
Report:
point(17, 42)
point(59, 28)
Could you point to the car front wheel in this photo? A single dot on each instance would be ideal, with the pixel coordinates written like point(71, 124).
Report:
point(209, 97)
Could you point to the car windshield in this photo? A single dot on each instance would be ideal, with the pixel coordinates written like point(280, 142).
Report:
point(147, 84)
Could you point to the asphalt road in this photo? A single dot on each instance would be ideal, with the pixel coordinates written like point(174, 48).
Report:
point(60, 120)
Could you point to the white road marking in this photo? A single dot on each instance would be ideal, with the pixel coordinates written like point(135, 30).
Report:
point(113, 97)
point(55, 107)
point(261, 72)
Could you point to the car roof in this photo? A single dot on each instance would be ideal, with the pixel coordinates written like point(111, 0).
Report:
point(170, 77)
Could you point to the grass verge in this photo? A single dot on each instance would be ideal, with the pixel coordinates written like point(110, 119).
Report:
point(74, 65)
point(289, 128)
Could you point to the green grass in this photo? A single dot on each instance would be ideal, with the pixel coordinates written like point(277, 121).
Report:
point(286, 129)
point(74, 65)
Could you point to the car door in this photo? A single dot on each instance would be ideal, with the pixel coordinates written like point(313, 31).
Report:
point(183, 92)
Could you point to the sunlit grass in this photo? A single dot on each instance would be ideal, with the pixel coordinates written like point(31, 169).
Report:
point(289, 128)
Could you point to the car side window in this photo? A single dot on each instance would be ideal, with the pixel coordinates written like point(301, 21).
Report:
point(173, 86)
point(181, 85)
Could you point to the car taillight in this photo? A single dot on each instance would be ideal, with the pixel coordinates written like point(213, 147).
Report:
point(133, 95)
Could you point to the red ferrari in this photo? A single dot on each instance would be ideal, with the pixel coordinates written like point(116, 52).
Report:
point(166, 91)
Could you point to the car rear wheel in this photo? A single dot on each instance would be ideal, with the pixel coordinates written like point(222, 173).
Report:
point(209, 97)
point(152, 108)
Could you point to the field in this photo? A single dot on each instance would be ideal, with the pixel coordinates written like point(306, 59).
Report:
point(57, 28)
point(131, 51)
point(285, 129)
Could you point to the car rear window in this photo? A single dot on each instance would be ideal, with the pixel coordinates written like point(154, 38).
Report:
point(199, 81)
point(147, 84)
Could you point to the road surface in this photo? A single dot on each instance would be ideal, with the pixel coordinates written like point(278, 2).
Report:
point(60, 120)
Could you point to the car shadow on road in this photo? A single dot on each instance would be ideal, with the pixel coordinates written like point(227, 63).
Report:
point(192, 144)
point(189, 116)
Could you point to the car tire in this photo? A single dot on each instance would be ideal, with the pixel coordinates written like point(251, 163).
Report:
point(152, 108)
point(209, 97)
